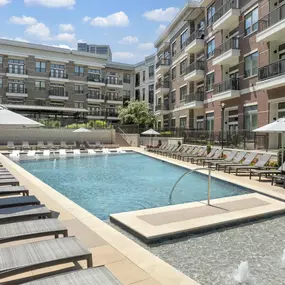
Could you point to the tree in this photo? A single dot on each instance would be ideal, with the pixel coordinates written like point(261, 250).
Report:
point(137, 112)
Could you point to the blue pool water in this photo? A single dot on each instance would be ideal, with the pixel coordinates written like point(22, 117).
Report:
point(104, 185)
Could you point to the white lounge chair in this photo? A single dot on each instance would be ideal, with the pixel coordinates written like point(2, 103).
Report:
point(91, 151)
point(76, 152)
point(63, 144)
point(50, 145)
point(41, 145)
point(15, 153)
point(10, 145)
point(119, 150)
point(31, 153)
point(46, 152)
point(98, 145)
point(26, 145)
point(62, 152)
point(106, 151)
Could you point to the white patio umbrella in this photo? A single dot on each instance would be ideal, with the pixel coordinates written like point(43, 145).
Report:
point(81, 131)
point(277, 126)
point(9, 119)
point(151, 132)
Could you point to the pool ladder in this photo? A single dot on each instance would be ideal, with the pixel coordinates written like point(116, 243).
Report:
point(190, 172)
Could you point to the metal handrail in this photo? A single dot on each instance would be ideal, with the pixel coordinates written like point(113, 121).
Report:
point(125, 135)
point(190, 172)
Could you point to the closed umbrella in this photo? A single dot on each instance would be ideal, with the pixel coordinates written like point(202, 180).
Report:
point(151, 132)
point(81, 131)
point(277, 126)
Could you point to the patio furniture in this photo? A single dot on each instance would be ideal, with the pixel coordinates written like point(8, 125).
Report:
point(237, 159)
point(50, 145)
point(184, 150)
point(265, 172)
point(178, 150)
point(188, 151)
point(278, 178)
point(170, 147)
point(247, 161)
point(63, 145)
point(216, 155)
point(41, 145)
point(10, 145)
point(46, 152)
point(26, 145)
point(6, 175)
point(95, 276)
point(214, 162)
point(41, 254)
point(98, 145)
point(31, 153)
point(194, 151)
point(91, 151)
point(10, 181)
point(15, 214)
point(18, 201)
point(209, 155)
point(76, 152)
point(14, 190)
point(259, 165)
point(152, 149)
point(62, 152)
point(32, 229)
point(201, 152)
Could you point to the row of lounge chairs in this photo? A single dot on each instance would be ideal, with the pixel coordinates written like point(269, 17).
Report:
point(23, 217)
point(238, 162)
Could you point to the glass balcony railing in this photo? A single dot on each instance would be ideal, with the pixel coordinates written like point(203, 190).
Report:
point(272, 70)
point(163, 62)
point(198, 34)
point(231, 4)
point(196, 96)
point(162, 107)
point(92, 78)
point(114, 81)
point(231, 84)
point(14, 69)
point(197, 65)
point(17, 90)
point(95, 96)
point(163, 84)
point(232, 43)
point(56, 74)
point(58, 93)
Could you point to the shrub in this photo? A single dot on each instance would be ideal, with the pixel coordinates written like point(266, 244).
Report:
point(209, 147)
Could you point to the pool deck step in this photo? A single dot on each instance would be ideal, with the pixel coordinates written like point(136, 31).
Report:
point(158, 224)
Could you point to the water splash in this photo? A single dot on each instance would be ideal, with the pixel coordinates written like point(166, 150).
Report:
point(242, 275)
point(283, 259)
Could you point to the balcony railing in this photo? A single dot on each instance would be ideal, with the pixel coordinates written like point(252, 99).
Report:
point(114, 98)
point(232, 43)
point(163, 84)
point(38, 69)
point(18, 90)
point(196, 96)
point(114, 81)
point(112, 113)
point(231, 4)
point(272, 70)
point(96, 96)
point(231, 84)
point(17, 70)
point(97, 113)
point(162, 107)
point(163, 62)
point(197, 65)
point(272, 18)
point(126, 80)
point(92, 78)
point(80, 74)
point(58, 93)
point(55, 74)
point(198, 34)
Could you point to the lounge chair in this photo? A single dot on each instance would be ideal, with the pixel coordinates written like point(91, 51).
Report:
point(6, 176)
point(15, 154)
point(188, 151)
point(62, 152)
point(96, 276)
point(41, 145)
point(31, 153)
point(42, 254)
point(279, 178)
point(181, 149)
point(16, 214)
point(10, 181)
point(153, 149)
point(76, 152)
point(91, 151)
point(192, 151)
point(18, 201)
point(46, 152)
point(265, 172)
point(167, 147)
point(50, 145)
point(214, 153)
point(200, 153)
point(236, 159)
point(171, 148)
point(214, 162)
point(98, 145)
point(10, 145)
point(14, 190)
point(247, 161)
point(259, 165)
point(63, 145)
point(26, 145)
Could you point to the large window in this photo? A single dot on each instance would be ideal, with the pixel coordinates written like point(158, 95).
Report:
point(173, 123)
point(151, 71)
point(1, 82)
point(173, 96)
point(182, 122)
point(41, 85)
point(79, 70)
point(183, 93)
point(79, 88)
point(250, 117)
point(173, 49)
point(173, 73)
point(151, 94)
point(143, 76)
point(183, 66)
point(1, 61)
point(143, 94)
point(210, 48)
point(210, 79)
point(183, 39)
point(251, 65)
point(127, 78)
point(200, 123)
point(210, 121)
point(210, 14)
point(251, 21)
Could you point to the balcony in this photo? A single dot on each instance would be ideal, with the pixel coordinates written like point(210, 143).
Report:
point(93, 97)
point(226, 90)
point(195, 71)
point(114, 82)
point(95, 80)
point(195, 100)
point(15, 71)
point(195, 43)
point(272, 26)
point(58, 76)
point(162, 88)
point(271, 76)
point(205, 3)
point(58, 95)
point(112, 115)
point(97, 114)
point(114, 99)
point(161, 109)
point(227, 53)
point(227, 16)
point(162, 66)
point(16, 92)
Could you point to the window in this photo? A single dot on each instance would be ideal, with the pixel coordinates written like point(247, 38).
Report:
point(183, 65)
point(79, 105)
point(137, 79)
point(210, 79)
point(183, 39)
point(250, 65)
point(159, 125)
point(40, 85)
point(173, 123)
point(143, 76)
point(143, 94)
point(79, 88)
point(79, 70)
point(173, 73)
point(16, 66)
point(182, 122)
point(210, 14)
point(173, 96)
point(183, 93)
point(173, 49)
point(1, 61)
point(1, 82)
point(151, 94)
point(127, 78)
point(94, 75)
point(16, 86)
point(250, 117)
point(210, 121)
point(40, 66)
point(138, 96)
point(210, 48)
point(200, 123)
point(151, 71)
point(251, 22)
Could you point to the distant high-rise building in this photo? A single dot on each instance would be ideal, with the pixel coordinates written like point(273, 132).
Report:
point(97, 49)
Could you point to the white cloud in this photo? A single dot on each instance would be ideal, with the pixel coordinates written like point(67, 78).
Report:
point(39, 30)
point(86, 19)
point(123, 55)
point(129, 40)
point(66, 28)
point(160, 15)
point(146, 46)
point(65, 37)
point(4, 2)
point(24, 20)
point(52, 3)
point(119, 19)
point(62, 46)
point(160, 29)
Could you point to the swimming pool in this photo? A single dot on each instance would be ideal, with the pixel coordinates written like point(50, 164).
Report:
point(108, 184)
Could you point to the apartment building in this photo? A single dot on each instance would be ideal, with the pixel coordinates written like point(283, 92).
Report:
point(220, 64)
point(47, 82)
point(104, 50)
point(145, 80)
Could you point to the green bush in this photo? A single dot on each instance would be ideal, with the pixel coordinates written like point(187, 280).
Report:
point(50, 123)
point(168, 133)
point(209, 147)
point(279, 156)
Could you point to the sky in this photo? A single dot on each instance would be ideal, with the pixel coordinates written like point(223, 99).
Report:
point(130, 27)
